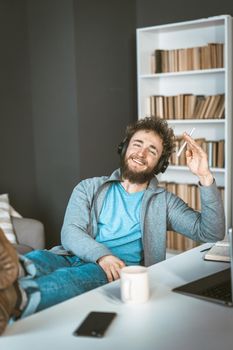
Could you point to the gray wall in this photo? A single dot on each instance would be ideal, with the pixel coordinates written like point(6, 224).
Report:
point(67, 91)
point(154, 12)
point(106, 64)
point(17, 170)
point(54, 108)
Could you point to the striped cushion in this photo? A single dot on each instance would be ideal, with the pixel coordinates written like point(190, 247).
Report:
point(5, 218)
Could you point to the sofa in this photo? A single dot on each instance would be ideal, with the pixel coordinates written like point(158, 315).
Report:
point(30, 234)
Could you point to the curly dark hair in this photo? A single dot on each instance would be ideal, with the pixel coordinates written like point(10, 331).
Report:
point(160, 127)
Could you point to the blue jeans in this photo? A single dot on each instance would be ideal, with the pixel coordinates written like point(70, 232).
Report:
point(52, 278)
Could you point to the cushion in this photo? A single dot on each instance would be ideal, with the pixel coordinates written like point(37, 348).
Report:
point(5, 218)
point(14, 213)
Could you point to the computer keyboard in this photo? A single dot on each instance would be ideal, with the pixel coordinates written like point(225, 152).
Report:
point(220, 291)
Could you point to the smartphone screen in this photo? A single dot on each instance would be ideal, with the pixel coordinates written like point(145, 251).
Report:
point(95, 324)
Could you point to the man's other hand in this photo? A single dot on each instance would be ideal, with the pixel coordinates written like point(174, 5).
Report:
point(111, 266)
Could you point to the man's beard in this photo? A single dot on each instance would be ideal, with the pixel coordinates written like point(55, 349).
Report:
point(139, 177)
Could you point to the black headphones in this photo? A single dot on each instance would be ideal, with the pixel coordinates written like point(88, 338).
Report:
point(160, 167)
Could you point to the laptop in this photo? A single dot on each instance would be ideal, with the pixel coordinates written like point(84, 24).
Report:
point(217, 288)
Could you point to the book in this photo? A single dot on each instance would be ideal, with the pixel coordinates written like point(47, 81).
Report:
point(196, 58)
point(218, 252)
point(158, 61)
point(152, 106)
point(180, 106)
point(200, 100)
point(213, 108)
point(205, 107)
point(159, 109)
point(165, 61)
point(220, 111)
point(208, 112)
point(214, 155)
point(213, 54)
point(170, 107)
point(220, 154)
point(181, 60)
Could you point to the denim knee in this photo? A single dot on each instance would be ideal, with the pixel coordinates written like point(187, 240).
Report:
point(37, 254)
point(46, 262)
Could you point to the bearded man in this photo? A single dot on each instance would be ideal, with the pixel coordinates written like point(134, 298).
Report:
point(111, 222)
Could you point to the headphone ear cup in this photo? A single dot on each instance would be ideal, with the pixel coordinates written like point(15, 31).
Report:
point(161, 166)
point(164, 166)
point(122, 147)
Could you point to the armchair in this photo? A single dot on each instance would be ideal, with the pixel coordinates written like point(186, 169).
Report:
point(30, 234)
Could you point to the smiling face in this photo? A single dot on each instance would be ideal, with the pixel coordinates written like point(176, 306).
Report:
point(143, 153)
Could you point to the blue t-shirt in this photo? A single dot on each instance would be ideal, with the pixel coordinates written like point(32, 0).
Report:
point(119, 224)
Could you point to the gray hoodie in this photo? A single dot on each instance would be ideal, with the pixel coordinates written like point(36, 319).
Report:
point(160, 211)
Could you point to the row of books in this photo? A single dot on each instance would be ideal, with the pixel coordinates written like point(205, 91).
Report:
point(186, 106)
point(194, 58)
point(214, 150)
point(190, 195)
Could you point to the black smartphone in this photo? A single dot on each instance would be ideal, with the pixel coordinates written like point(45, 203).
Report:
point(95, 324)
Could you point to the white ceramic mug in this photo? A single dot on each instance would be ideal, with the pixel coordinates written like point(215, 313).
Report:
point(134, 284)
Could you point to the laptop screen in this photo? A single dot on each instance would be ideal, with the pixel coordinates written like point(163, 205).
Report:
point(217, 287)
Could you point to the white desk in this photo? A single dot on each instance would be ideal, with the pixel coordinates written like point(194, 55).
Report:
point(168, 321)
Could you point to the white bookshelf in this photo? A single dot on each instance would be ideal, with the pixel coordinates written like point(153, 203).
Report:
point(199, 82)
